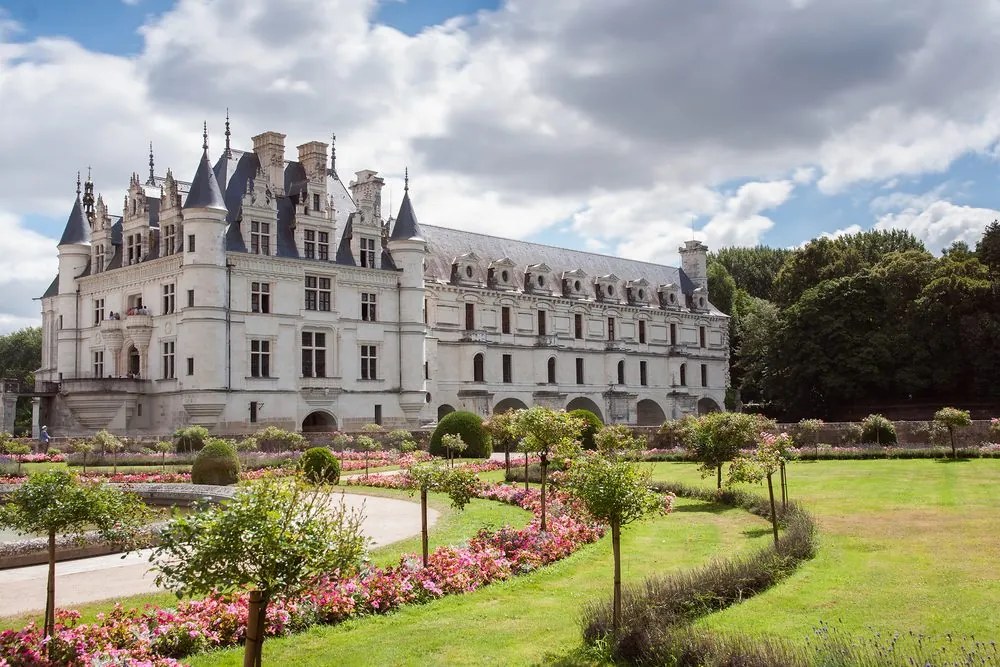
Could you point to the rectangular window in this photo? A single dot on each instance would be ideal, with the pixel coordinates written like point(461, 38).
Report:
point(260, 358)
point(323, 245)
point(190, 242)
point(133, 248)
point(470, 316)
point(611, 328)
point(369, 361)
point(315, 201)
point(508, 368)
point(253, 412)
point(260, 238)
point(168, 298)
point(505, 319)
point(578, 326)
point(368, 306)
point(98, 311)
point(579, 370)
point(313, 354)
point(643, 380)
point(310, 244)
point(642, 331)
point(673, 334)
point(378, 414)
point(426, 312)
point(169, 239)
point(168, 360)
point(190, 298)
point(317, 293)
point(260, 297)
point(427, 371)
point(701, 336)
point(190, 365)
point(99, 363)
point(541, 323)
point(368, 253)
point(99, 254)
point(704, 375)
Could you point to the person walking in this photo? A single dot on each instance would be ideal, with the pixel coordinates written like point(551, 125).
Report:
point(45, 437)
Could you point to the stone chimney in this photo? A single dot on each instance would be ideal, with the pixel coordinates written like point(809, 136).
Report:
point(366, 190)
point(270, 150)
point(313, 157)
point(694, 262)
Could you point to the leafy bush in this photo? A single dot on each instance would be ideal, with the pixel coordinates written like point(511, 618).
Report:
point(878, 429)
point(216, 463)
point(320, 466)
point(401, 439)
point(470, 427)
point(952, 419)
point(274, 439)
point(852, 434)
point(591, 425)
point(190, 439)
point(676, 432)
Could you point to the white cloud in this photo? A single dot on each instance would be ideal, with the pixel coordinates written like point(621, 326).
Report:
point(941, 223)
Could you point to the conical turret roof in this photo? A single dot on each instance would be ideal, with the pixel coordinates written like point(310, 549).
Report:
point(205, 192)
point(406, 226)
point(77, 229)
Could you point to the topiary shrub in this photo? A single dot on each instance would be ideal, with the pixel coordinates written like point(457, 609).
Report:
point(470, 427)
point(591, 425)
point(878, 430)
point(320, 466)
point(216, 463)
point(274, 439)
point(190, 439)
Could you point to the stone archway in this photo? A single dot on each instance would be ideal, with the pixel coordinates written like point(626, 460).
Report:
point(319, 421)
point(706, 405)
point(443, 410)
point(508, 404)
point(584, 403)
point(649, 413)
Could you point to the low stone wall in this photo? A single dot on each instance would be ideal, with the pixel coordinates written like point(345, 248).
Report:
point(34, 550)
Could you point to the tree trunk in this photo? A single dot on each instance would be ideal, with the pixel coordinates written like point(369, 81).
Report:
point(256, 626)
point(423, 522)
point(784, 488)
point(774, 516)
point(366, 464)
point(506, 457)
point(544, 466)
point(954, 452)
point(616, 548)
point(526, 471)
point(50, 591)
point(85, 463)
point(718, 477)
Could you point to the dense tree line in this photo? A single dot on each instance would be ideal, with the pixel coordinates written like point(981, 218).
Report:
point(867, 317)
point(20, 357)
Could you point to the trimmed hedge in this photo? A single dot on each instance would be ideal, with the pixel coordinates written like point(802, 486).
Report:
point(591, 425)
point(320, 466)
point(217, 463)
point(468, 425)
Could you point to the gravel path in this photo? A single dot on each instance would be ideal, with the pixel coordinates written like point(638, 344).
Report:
point(107, 577)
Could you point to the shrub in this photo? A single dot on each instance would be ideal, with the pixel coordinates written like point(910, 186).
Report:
point(216, 463)
point(190, 439)
point(400, 439)
point(320, 466)
point(878, 429)
point(470, 427)
point(676, 432)
point(852, 434)
point(274, 439)
point(951, 419)
point(591, 425)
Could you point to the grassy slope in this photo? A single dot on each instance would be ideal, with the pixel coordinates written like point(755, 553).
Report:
point(515, 622)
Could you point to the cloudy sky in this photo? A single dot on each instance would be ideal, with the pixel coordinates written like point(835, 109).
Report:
point(620, 126)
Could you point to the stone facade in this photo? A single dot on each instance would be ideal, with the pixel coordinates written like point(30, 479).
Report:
point(267, 291)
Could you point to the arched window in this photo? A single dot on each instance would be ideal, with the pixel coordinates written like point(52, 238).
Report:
point(621, 372)
point(478, 374)
point(552, 370)
point(683, 375)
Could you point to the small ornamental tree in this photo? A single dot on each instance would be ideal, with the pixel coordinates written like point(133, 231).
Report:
point(879, 430)
point(616, 491)
point(951, 419)
point(547, 432)
point(809, 430)
point(274, 439)
point(676, 432)
point(400, 439)
point(460, 485)
point(618, 441)
point(591, 425)
point(767, 459)
point(82, 447)
point(454, 445)
point(56, 502)
point(717, 438)
point(163, 447)
point(367, 444)
point(320, 466)
point(190, 439)
point(501, 430)
point(341, 441)
point(273, 539)
point(108, 442)
point(10, 446)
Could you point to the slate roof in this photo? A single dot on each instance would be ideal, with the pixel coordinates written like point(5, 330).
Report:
point(205, 191)
point(77, 229)
point(406, 226)
point(52, 289)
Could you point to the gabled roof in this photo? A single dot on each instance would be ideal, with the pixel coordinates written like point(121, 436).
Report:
point(406, 226)
point(205, 191)
point(344, 254)
point(53, 288)
point(77, 229)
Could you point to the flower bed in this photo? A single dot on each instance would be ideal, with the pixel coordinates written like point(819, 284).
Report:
point(157, 637)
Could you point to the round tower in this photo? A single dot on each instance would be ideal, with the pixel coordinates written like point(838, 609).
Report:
point(74, 254)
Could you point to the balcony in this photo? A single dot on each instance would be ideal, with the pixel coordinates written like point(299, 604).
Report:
point(615, 346)
point(546, 340)
point(474, 336)
point(108, 385)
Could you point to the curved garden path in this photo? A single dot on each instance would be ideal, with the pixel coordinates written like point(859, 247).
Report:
point(105, 577)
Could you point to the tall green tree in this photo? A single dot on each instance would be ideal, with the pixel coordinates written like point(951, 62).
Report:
point(547, 432)
point(988, 249)
point(753, 269)
point(55, 502)
point(20, 357)
point(717, 437)
point(721, 287)
point(272, 539)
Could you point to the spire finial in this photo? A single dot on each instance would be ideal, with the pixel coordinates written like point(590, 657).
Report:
point(77, 184)
point(204, 136)
point(333, 153)
point(89, 179)
point(406, 179)
point(152, 178)
point(229, 151)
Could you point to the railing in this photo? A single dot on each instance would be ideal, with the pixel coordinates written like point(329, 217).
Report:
point(130, 385)
point(615, 345)
point(547, 340)
point(475, 336)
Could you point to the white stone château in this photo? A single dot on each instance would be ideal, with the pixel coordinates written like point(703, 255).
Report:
point(265, 291)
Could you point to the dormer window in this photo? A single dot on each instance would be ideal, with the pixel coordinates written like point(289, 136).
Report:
point(501, 274)
point(465, 270)
point(575, 284)
point(638, 292)
point(670, 296)
point(368, 253)
point(537, 279)
point(607, 288)
point(699, 299)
